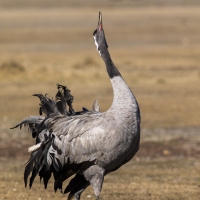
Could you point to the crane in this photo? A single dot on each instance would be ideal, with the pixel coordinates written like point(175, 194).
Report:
point(88, 145)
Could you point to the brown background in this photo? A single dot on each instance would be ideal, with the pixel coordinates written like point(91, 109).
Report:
point(155, 45)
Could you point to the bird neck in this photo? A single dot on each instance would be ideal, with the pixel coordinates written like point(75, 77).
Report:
point(111, 69)
point(123, 99)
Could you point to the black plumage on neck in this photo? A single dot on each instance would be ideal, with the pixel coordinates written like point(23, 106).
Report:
point(110, 66)
point(102, 48)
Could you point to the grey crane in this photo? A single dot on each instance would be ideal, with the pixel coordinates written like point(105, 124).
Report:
point(89, 145)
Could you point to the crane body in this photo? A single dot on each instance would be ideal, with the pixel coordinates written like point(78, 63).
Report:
point(88, 144)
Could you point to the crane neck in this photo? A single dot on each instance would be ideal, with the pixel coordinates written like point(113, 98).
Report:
point(123, 99)
point(110, 66)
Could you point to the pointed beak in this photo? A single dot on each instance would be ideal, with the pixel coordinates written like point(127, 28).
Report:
point(100, 26)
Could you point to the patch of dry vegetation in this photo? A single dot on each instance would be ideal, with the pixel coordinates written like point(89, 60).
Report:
point(157, 51)
point(150, 175)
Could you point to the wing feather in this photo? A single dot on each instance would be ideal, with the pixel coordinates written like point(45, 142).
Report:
point(69, 141)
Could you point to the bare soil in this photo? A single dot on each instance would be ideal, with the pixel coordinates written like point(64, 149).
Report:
point(155, 45)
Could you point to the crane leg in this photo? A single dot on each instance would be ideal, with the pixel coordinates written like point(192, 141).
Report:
point(96, 178)
point(97, 182)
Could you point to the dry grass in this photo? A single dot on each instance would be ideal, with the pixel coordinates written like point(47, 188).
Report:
point(156, 48)
point(139, 180)
point(166, 167)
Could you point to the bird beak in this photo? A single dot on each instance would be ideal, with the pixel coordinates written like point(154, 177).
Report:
point(100, 26)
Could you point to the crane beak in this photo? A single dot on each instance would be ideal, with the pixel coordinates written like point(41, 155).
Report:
point(100, 26)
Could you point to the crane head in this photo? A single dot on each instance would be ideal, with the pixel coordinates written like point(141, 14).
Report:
point(99, 36)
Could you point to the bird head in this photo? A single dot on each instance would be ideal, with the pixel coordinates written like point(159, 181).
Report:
point(99, 36)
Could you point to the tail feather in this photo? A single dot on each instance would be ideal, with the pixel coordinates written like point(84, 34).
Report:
point(34, 174)
point(74, 182)
point(29, 167)
point(60, 100)
point(35, 164)
point(46, 178)
point(95, 106)
point(60, 177)
point(32, 123)
point(63, 98)
point(47, 105)
point(34, 147)
point(42, 162)
point(45, 175)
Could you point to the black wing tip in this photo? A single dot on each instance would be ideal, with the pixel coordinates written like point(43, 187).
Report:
point(16, 126)
point(37, 95)
point(13, 127)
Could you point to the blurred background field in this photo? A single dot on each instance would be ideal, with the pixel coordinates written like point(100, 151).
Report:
point(155, 45)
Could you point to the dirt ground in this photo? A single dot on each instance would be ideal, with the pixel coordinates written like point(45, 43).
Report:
point(155, 45)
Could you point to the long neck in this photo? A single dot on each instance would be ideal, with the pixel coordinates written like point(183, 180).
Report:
point(124, 99)
point(111, 69)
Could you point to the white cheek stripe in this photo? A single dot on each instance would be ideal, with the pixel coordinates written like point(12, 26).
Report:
point(96, 45)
